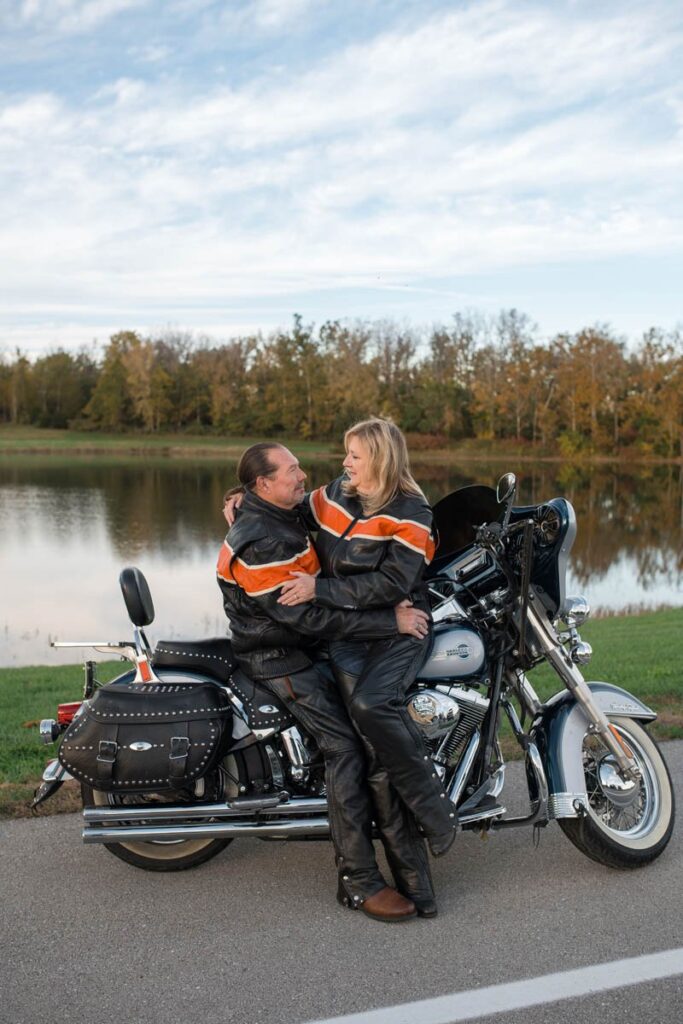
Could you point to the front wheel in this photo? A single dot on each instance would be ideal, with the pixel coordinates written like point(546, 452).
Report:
point(627, 823)
point(159, 855)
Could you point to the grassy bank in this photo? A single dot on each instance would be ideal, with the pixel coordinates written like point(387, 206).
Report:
point(640, 653)
point(26, 440)
point(34, 440)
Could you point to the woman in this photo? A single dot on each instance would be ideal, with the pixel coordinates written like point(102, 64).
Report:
point(374, 540)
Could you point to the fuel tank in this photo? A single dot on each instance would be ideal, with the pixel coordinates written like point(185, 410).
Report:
point(457, 653)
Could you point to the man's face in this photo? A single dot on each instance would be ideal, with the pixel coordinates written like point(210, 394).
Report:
point(285, 487)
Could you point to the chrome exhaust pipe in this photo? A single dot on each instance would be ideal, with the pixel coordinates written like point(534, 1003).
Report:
point(217, 830)
point(269, 806)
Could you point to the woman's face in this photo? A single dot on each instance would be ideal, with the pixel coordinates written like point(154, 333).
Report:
point(357, 466)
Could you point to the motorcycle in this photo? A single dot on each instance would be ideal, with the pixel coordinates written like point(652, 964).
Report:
point(183, 753)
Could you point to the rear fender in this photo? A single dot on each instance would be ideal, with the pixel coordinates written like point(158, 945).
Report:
point(558, 731)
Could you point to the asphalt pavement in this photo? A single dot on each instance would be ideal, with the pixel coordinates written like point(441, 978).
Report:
point(255, 935)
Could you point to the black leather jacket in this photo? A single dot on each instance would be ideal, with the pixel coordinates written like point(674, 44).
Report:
point(262, 548)
point(369, 561)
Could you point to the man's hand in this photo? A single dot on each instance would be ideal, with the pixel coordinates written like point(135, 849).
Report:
point(298, 590)
point(411, 620)
point(230, 506)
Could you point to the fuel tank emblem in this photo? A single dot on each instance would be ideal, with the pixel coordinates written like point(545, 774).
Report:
point(268, 709)
point(140, 745)
point(462, 651)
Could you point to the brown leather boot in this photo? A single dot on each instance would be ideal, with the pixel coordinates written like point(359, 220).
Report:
point(389, 906)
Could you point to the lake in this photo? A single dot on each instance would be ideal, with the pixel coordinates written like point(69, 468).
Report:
point(70, 524)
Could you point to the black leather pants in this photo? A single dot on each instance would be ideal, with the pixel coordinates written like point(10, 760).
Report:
point(403, 845)
point(314, 700)
point(384, 670)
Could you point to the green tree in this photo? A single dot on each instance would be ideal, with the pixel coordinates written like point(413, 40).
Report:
point(111, 406)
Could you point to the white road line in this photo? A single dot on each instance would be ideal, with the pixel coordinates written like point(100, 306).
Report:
point(516, 995)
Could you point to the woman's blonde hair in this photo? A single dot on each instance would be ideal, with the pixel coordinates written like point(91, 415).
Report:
point(389, 463)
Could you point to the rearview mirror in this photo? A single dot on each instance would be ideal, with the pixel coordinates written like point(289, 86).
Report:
point(506, 487)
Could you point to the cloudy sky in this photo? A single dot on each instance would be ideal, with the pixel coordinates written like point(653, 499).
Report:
point(218, 165)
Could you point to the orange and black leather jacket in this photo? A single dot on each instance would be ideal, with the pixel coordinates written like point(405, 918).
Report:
point(369, 561)
point(262, 548)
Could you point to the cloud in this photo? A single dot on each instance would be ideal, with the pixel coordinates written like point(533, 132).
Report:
point(490, 135)
point(70, 16)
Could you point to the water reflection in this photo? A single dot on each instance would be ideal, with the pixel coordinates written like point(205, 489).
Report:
point(69, 525)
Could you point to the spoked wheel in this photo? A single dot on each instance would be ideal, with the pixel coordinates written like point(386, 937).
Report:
point(161, 854)
point(627, 822)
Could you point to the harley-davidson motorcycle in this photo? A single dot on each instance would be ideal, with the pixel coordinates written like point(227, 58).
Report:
point(183, 753)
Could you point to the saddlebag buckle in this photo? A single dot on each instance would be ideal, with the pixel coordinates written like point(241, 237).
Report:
point(106, 758)
point(180, 749)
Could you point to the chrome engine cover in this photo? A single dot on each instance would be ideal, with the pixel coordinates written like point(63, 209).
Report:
point(434, 712)
point(457, 652)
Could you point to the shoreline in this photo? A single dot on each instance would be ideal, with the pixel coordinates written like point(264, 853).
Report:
point(17, 441)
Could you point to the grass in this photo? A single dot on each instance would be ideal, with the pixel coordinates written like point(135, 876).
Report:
point(640, 653)
point(36, 440)
point(26, 696)
point(29, 440)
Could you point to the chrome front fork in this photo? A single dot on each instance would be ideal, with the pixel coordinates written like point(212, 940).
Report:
point(576, 684)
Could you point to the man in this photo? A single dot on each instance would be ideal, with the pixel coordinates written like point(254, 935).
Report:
point(268, 542)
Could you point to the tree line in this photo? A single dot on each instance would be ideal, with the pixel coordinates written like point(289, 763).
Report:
point(484, 377)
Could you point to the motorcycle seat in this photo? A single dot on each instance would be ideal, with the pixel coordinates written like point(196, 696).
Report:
point(213, 657)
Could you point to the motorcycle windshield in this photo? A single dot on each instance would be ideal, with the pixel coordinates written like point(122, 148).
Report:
point(457, 516)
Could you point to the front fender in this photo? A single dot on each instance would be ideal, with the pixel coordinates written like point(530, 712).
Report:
point(558, 731)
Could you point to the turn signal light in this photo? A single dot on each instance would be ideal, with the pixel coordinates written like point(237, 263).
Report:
point(66, 712)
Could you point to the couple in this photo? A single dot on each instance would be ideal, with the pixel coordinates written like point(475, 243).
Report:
point(360, 589)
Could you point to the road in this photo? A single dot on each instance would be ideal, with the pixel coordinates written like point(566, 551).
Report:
point(256, 937)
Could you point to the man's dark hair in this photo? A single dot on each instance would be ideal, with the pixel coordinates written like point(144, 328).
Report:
point(255, 462)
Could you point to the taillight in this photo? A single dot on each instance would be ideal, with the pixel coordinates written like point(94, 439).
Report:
point(66, 712)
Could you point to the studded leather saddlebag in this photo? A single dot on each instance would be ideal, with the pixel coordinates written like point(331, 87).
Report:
point(147, 737)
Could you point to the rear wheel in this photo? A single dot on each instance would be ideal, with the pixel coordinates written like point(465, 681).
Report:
point(627, 823)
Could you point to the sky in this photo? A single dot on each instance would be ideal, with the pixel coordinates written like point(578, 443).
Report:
point(217, 166)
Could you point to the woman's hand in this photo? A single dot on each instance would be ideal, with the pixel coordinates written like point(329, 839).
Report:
point(298, 590)
point(411, 621)
point(230, 506)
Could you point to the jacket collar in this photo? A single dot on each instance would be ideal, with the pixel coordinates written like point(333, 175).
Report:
point(257, 506)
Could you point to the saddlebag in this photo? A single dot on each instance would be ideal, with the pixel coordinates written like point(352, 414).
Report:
point(147, 737)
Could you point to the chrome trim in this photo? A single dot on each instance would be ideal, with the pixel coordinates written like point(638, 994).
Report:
point(575, 610)
point(295, 747)
point(450, 609)
point(46, 730)
point(123, 648)
point(464, 768)
point(566, 805)
point(581, 652)
point(270, 806)
point(498, 780)
point(539, 807)
point(527, 695)
point(55, 772)
point(482, 815)
point(433, 712)
point(215, 830)
point(576, 684)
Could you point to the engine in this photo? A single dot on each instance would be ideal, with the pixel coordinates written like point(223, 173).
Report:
point(450, 714)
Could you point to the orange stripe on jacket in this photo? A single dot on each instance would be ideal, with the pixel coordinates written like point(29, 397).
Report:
point(406, 531)
point(331, 516)
point(263, 579)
